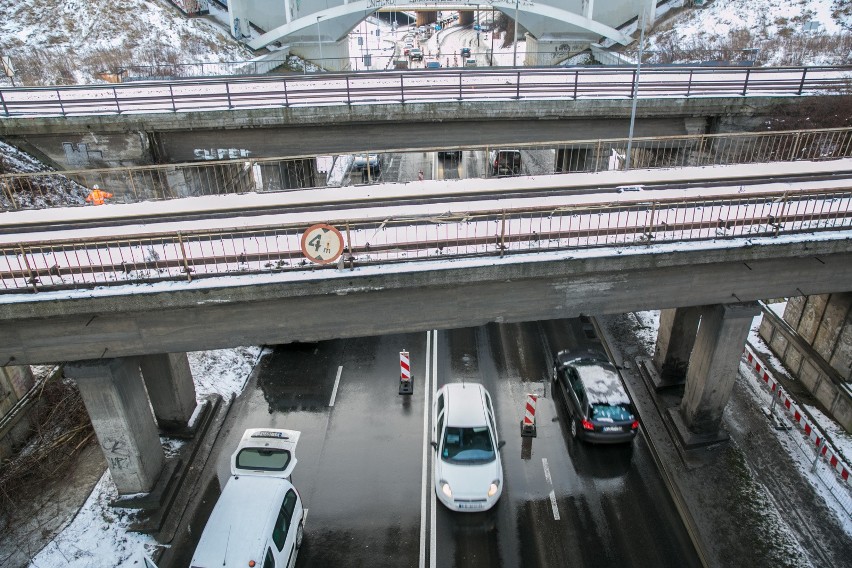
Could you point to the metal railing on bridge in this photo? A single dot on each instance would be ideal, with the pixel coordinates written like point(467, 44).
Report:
point(420, 86)
point(222, 177)
point(270, 249)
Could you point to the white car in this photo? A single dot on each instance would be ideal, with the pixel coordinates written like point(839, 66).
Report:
point(259, 519)
point(468, 471)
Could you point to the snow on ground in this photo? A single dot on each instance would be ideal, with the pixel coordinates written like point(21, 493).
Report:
point(98, 535)
point(84, 31)
point(836, 493)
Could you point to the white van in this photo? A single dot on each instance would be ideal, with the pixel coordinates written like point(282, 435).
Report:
point(259, 519)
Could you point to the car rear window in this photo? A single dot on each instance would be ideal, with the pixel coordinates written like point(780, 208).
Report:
point(263, 459)
point(467, 445)
point(611, 412)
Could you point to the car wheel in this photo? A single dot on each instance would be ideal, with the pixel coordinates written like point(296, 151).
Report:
point(573, 428)
point(300, 534)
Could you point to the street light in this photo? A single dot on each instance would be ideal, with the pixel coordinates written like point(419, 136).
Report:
point(515, 54)
point(635, 92)
point(319, 41)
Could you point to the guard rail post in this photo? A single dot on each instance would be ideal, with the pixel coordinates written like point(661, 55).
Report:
point(172, 98)
point(576, 79)
point(745, 83)
point(3, 102)
point(460, 87)
point(59, 98)
point(117, 104)
point(518, 86)
point(349, 96)
point(802, 82)
point(689, 83)
point(228, 93)
point(29, 269)
point(402, 88)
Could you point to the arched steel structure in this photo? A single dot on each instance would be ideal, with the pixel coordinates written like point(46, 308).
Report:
point(336, 21)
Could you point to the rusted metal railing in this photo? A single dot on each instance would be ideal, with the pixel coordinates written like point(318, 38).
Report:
point(189, 255)
point(222, 177)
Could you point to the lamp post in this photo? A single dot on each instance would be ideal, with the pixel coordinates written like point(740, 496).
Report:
point(319, 41)
point(515, 54)
point(635, 92)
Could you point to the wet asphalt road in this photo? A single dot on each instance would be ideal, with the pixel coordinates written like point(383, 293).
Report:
point(360, 462)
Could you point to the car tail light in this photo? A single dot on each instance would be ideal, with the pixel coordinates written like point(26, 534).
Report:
point(635, 425)
point(588, 425)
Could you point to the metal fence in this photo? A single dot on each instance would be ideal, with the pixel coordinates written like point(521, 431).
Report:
point(187, 255)
point(421, 86)
point(827, 464)
point(222, 177)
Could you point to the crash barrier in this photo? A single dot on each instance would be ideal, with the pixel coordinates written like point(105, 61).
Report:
point(815, 446)
point(528, 428)
point(421, 86)
point(406, 385)
point(188, 255)
point(234, 176)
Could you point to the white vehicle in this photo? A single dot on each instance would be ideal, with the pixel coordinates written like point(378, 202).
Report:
point(259, 519)
point(468, 470)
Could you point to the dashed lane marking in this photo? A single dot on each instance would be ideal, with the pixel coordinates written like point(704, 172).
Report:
point(336, 384)
point(546, 471)
point(553, 505)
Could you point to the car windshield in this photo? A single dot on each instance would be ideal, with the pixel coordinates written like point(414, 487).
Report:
point(263, 459)
point(611, 412)
point(467, 445)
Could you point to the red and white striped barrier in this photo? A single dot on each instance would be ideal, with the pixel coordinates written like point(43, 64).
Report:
point(811, 431)
point(406, 385)
point(528, 423)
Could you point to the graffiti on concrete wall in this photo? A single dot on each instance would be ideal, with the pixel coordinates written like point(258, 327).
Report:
point(117, 452)
point(568, 48)
point(220, 153)
point(79, 154)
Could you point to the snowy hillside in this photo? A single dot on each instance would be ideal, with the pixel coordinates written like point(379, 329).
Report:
point(70, 41)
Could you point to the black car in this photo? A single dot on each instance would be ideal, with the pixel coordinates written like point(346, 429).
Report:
point(598, 406)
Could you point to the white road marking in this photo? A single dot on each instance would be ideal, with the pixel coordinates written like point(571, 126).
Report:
point(546, 471)
point(424, 480)
point(433, 386)
point(553, 505)
point(336, 383)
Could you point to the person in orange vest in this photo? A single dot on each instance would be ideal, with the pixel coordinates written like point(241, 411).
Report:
point(97, 196)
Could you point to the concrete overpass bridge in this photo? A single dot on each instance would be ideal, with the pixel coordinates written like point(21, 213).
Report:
point(138, 124)
point(127, 341)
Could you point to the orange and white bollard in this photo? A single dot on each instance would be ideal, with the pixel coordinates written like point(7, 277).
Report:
point(406, 385)
point(528, 423)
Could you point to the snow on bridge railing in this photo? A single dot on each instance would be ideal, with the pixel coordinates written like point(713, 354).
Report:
point(420, 86)
point(39, 190)
point(86, 263)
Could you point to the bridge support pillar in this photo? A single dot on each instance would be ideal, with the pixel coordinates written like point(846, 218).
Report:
point(550, 50)
point(675, 340)
point(115, 397)
point(168, 380)
point(712, 371)
point(334, 55)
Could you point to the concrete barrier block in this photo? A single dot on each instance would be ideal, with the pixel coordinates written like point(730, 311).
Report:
point(810, 376)
point(779, 344)
point(793, 360)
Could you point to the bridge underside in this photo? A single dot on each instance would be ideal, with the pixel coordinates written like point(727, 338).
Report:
point(336, 303)
point(332, 24)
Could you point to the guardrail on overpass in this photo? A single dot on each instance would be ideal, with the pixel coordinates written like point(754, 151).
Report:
point(420, 86)
point(186, 255)
point(223, 177)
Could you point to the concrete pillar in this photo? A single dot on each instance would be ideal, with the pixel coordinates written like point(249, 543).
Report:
point(675, 340)
point(115, 397)
point(714, 364)
point(168, 380)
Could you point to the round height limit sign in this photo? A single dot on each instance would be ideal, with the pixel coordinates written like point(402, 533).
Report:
point(322, 243)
